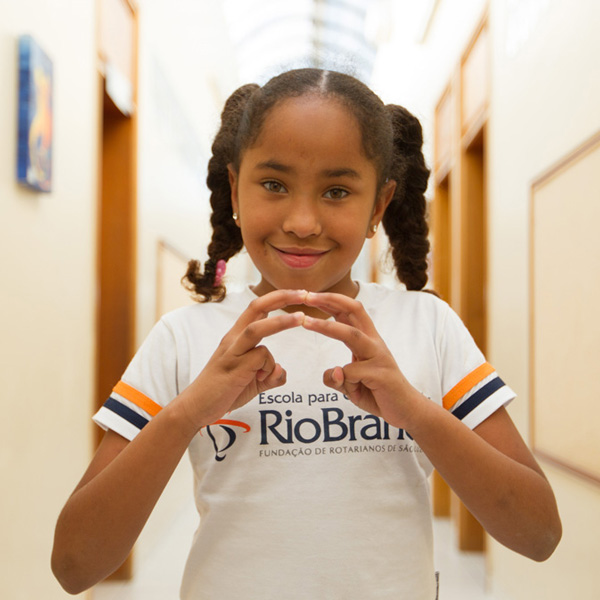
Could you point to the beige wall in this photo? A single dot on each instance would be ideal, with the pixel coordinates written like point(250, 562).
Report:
point(545, 99)
point(182, 90)
point(47, 245)
point(182, 87)
point(545, 96)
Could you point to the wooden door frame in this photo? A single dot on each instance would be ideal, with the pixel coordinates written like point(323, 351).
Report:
point(460, 227)
point(116, 259)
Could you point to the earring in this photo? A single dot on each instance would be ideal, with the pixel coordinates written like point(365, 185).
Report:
point(235, 216)
point(374, 228)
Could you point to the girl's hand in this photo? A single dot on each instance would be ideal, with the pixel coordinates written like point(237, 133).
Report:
point(372, 380)
point(240, 369)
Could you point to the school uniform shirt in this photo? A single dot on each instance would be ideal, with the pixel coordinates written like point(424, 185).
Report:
point(300, 493)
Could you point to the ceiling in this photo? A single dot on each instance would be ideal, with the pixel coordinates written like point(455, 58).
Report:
point(272, 35)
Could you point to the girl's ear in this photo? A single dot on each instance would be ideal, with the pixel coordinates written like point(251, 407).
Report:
point(233, 184)
point(383, 200)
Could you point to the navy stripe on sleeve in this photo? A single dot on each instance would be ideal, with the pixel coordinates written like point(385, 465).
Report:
point(124, 411)
point(478, 397)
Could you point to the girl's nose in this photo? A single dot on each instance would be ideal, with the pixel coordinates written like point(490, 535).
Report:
point(302, 218)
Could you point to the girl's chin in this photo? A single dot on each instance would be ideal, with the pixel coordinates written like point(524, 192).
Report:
point(347, 287)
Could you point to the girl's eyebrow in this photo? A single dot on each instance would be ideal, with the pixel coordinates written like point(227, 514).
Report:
point(274, 165)
point(341, 172)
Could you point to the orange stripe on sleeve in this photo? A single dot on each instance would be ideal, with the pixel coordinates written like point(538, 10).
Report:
point(139, 399)
point(464, 385)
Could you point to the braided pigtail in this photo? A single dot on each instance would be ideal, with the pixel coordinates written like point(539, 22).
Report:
point(405, 221)
point(226, 240)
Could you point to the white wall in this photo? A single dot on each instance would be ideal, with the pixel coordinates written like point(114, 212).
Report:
point(47, 271)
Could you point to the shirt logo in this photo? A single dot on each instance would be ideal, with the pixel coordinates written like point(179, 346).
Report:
point(227, 426)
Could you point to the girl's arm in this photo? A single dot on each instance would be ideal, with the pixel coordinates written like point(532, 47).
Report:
point(111, 504)
point(490, 468)
point(494, 474)
point(108, 509)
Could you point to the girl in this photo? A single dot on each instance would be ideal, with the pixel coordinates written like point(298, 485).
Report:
point(313, 406)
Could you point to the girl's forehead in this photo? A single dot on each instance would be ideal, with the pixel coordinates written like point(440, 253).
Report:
point(310, 108)
point(311, 124)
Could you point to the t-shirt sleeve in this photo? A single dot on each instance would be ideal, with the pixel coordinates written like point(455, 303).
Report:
point(148, 384)
point(471, 388)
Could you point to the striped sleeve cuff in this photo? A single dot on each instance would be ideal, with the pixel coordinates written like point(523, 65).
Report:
point(477, 396)
point(127, 411)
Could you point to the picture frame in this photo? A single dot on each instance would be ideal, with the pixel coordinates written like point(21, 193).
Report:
point(35, 116)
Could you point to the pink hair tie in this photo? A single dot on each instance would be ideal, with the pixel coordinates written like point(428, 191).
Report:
point(219, 272)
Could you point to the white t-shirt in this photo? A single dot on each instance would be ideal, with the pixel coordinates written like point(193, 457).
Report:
point(300, 493)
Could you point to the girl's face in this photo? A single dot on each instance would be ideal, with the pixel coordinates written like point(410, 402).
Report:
point(306, 197)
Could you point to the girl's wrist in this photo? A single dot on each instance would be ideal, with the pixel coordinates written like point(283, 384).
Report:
point(420, 414)
point(185, 415)
point(415, 406)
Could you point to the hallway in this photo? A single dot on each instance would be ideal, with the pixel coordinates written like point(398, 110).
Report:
point(507, 92)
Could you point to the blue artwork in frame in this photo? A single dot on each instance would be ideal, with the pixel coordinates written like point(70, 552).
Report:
point(34, 151)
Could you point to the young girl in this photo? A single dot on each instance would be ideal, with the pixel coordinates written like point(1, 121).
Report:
point(313, 406)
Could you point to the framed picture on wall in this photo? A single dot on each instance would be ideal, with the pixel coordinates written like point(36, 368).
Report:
point(34, 145)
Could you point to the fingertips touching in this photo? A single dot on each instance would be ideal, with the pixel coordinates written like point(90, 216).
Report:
point(261, 306)
point(281, 299)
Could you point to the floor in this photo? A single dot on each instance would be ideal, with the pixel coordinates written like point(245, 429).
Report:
point(159, 570)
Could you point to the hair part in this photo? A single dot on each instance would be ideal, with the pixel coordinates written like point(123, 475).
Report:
point(391, 137)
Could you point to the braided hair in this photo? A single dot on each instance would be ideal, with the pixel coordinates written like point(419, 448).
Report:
point(391, 137)
point(226, 240)
point(405, 219)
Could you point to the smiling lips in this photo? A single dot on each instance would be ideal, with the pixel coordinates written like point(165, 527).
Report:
point(300, 258)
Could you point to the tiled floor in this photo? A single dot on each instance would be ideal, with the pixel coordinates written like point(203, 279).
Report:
point(159, 570)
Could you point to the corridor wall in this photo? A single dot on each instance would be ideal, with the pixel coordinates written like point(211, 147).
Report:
point(544, 98)
point(47, 266)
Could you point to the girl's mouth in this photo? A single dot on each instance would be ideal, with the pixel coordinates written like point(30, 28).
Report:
point(300, 258)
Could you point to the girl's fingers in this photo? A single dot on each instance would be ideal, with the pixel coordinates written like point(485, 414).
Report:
point(342, 381)
point(266, 365)
point(361, 345)
point(334, 378)
point(255, 331)
point(343, 309)
point(261, 306)
point(275, 378)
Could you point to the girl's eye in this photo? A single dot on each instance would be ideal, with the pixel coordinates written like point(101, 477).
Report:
point(274, 186)
point(336, 194)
